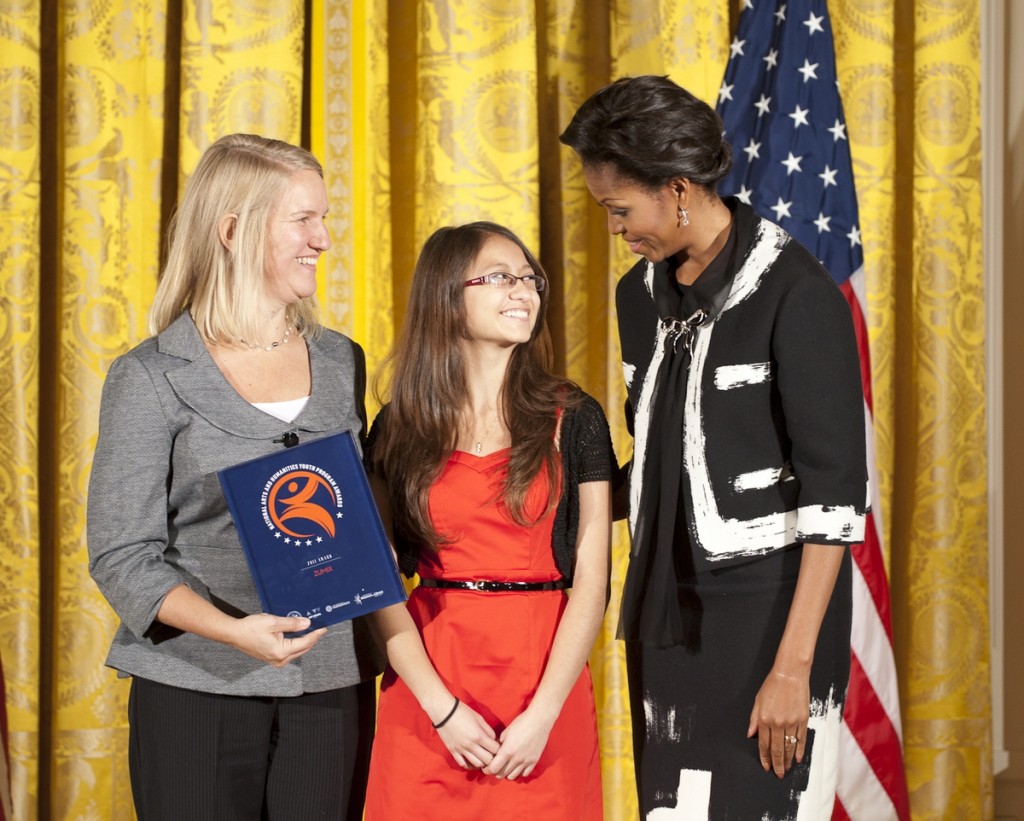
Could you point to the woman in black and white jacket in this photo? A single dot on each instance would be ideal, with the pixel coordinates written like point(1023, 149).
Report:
point(749, 474)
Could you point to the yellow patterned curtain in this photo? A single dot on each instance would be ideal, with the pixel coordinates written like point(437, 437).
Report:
point(350, 127)
point(428, 112)
point(939, 434)
point(910, 78)
point(20, 588)
point(109, 69)
point(241, 70)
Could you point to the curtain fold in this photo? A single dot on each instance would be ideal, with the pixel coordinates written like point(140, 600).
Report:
point(350, 130)
point(432, 112)
point(940, 516)
point(110, 79)
point(241, 71)
point(20, 159)
point(475, 129)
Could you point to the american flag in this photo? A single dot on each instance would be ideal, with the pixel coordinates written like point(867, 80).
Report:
point(784, 119)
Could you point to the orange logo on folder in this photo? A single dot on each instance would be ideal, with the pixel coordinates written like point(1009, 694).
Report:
point(291, 500)
point(301, 503)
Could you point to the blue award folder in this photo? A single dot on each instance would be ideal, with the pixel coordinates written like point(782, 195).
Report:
point(311, 532)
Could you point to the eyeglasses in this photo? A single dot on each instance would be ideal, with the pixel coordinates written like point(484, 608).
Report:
point(534, 282)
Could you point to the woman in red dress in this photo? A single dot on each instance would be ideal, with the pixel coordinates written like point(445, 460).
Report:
point(494, 476)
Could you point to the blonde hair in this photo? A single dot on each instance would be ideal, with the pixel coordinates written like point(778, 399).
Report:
point(242, 175)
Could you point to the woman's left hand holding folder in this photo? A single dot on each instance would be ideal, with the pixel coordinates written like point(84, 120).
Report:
point(260, 635)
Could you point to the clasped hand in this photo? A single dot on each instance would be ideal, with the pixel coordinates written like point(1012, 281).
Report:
point(474, 744)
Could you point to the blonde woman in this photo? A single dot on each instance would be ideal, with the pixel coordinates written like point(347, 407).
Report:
point(229, 719)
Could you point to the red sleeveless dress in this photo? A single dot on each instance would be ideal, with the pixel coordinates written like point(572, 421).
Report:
point(491, 650)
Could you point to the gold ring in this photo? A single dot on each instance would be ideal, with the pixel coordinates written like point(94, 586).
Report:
point(792, 739)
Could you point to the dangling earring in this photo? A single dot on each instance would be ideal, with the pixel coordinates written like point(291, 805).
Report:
point(684, 217)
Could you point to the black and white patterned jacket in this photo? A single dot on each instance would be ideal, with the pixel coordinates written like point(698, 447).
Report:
point(774, 435)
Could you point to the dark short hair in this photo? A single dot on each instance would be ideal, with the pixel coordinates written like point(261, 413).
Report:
point(650, 130)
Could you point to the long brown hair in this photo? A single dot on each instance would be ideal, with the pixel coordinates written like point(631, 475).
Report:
point(428, 389)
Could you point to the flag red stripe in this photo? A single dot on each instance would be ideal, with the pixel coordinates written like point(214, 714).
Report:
point(839, 812)
point(871, 728)
point(865, 715)
point(868, 556)
point(860, 328)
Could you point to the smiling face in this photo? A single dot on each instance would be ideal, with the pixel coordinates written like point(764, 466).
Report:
point(647, 220)
point(504, 317)
point(297, 235)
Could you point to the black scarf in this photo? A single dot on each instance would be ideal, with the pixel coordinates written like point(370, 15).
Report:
point(653, 606)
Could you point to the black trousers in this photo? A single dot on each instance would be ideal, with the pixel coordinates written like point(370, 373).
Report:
point(203, 756)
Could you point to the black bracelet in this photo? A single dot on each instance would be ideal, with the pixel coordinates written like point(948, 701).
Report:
point(444, 720)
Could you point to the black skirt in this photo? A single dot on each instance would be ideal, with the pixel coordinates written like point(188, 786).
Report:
point(691, 702)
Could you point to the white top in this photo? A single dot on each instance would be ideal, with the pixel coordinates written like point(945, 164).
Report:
point(285, 411)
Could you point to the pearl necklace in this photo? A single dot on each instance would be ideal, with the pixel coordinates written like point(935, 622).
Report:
point(272, 345)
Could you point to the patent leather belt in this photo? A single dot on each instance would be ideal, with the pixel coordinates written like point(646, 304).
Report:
point(494, 587)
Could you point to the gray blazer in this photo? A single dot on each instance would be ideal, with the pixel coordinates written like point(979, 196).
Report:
point(157, 518)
